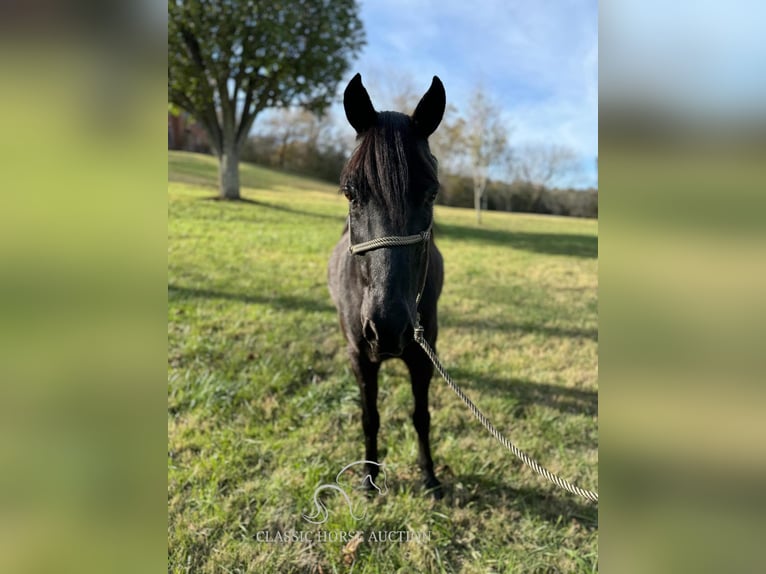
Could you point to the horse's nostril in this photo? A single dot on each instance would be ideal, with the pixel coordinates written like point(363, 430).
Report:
point(369, 331)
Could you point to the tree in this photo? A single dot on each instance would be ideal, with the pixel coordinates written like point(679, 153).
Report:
point(486, 139)
point(447, 143)
point(228, 60)
point(293, 125)
point(540, 164)
point(300, 141)
point(394, 89)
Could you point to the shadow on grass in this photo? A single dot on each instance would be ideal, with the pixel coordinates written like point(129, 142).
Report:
point(527, 393)
point(498, 324)
point(485, 491)
point(283, 208)
point(493, 490)
point(287, 302)
point(585, 246)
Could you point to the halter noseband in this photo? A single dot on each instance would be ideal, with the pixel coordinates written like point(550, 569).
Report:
point(396, 241)
point(390, 241)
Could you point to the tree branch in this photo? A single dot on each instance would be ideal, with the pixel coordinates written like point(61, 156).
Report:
point(245, 119)
point(206, 114)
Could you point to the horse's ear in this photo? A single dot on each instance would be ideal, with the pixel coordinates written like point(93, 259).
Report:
point(430, 110)
point(356, 101)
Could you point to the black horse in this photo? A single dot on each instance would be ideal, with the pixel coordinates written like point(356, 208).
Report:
point(382, 289)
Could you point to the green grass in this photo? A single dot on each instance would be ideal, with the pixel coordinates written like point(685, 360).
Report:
point(263, 407)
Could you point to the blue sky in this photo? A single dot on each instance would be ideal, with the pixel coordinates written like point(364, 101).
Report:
point(699, 59)
point(538, 59)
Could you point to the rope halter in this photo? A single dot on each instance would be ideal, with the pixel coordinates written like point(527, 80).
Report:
point(390, 241)
point(396, 241)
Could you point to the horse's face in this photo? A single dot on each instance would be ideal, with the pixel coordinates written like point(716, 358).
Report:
point(391, 185)
point(390, 277)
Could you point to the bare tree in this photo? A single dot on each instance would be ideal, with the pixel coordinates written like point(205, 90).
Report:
point(486, 140)
point(395, 90)
point(448, 142)
point(292, 125)
point(541, 164)
point(301, 141)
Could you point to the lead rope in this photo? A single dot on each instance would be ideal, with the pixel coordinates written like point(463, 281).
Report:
point(520, 454)
point(424, 237)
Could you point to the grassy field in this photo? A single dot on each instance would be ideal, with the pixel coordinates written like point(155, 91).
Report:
point(262, 406)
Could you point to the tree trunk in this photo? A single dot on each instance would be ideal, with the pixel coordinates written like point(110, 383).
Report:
point(479, 185)
point(283, 151)
point(228, 172)
point(477, 204)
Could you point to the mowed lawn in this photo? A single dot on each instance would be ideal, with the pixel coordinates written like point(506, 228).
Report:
point(263, 407)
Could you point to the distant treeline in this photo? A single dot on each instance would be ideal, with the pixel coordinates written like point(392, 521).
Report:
point(520, 197)
point(325, 162)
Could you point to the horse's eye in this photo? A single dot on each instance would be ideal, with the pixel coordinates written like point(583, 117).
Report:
point(348, 191)
point(432, 195)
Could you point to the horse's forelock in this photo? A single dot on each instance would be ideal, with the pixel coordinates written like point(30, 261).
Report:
point(382, 159)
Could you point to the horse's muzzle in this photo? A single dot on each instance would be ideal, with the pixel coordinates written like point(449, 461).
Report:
point(387, 338)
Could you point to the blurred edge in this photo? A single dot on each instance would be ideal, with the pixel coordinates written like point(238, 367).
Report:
point(682, 282)
point(82, 105)
point(82, 258)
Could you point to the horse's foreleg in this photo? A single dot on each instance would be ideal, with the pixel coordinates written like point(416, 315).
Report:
point(421, 371)
point(367, 378)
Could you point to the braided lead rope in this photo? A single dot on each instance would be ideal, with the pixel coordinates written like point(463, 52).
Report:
point(391, 241)
point(521, 455)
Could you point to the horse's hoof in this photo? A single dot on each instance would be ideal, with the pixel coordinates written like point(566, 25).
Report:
point(435, 488)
